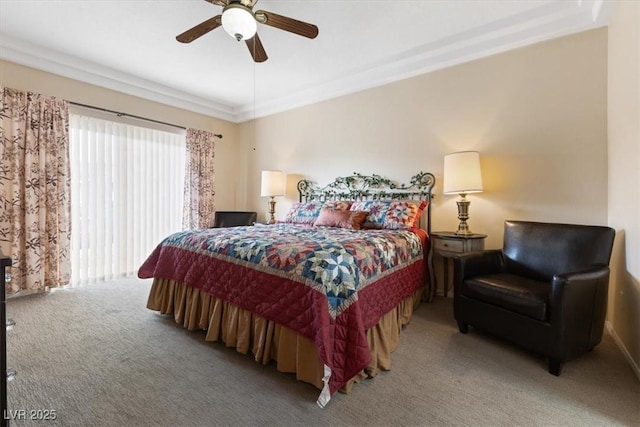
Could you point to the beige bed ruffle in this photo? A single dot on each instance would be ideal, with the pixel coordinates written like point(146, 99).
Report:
point(236, 327)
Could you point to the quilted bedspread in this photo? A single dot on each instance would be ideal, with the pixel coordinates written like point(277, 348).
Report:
point(328, 284)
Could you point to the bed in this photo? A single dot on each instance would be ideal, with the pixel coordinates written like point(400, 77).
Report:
point(324, 293)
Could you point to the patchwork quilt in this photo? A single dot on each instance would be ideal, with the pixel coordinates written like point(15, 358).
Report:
point(328, 284)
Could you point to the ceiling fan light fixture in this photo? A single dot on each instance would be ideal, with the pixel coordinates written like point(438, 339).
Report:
point(238, 21)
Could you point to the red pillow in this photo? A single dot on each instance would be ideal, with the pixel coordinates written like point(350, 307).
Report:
point(342, 219)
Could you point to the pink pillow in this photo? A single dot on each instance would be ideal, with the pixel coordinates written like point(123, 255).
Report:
point(307, 212)
point(338, 205)
point(342, 219)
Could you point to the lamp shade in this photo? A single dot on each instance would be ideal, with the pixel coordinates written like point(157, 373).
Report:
point(238, 22)
point(272, 183)
point(462, 173)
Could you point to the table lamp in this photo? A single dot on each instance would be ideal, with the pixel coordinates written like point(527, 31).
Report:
point(272, 186)
point(462, 176)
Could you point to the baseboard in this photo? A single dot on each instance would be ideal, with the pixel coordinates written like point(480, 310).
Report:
point(618, 341)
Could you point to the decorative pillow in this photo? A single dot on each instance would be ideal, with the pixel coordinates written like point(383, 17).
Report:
point(377, 212)
point(405, 214)
point(338, 205)
point(303, 213)
point(391, 214)
point(342, 219)
point(308, 212)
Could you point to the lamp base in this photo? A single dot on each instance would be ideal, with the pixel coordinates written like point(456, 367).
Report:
point(272, 211)
point(463, 216)
point(463, 230)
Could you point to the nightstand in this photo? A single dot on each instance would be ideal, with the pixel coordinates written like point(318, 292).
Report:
point(448, 244)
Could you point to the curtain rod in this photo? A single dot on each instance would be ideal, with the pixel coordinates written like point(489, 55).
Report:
point(119, 114)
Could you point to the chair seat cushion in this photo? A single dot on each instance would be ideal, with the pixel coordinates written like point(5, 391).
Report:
point(516, 293)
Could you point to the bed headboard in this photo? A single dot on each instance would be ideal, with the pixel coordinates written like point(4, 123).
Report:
point(371, 187)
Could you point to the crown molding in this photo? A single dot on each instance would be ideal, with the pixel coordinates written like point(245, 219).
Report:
point(549, 21)
point(537, 25)
point(29, 55)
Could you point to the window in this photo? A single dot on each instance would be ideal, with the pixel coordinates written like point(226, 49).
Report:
point(127, 188)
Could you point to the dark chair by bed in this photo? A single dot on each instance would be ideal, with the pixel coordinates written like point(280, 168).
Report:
point(546, 290)
point(234, 218)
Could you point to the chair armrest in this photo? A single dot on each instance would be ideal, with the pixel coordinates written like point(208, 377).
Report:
point(477, 264)
point(592, 276)
point(580, 298)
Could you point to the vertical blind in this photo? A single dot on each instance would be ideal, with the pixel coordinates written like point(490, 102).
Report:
point(126, 195)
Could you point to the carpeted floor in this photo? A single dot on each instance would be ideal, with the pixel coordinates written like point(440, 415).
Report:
point(97, 357)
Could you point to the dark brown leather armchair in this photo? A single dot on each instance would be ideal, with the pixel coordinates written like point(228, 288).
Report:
point(546, 290)
point(233, 218)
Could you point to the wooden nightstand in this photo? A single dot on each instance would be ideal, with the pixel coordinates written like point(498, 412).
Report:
point(448, 244)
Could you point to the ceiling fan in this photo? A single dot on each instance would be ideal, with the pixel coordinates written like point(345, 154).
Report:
point(240, 21)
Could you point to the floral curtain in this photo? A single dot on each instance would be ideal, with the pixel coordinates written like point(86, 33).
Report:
point(35, 214)
point(199, 204)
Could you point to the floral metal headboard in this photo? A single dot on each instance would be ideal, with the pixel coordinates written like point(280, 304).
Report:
point(371, 187)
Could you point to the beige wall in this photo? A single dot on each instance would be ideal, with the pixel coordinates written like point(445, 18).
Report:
point(537, 115)
point(624, 175)
point(228, 182)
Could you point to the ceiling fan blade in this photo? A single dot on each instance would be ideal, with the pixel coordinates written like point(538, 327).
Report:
point(200, 29)
point(222, 3)
point(288, 24)
point(257, 50)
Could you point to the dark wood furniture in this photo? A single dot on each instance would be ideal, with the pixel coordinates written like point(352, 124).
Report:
point(448, 244)
point(4, 373)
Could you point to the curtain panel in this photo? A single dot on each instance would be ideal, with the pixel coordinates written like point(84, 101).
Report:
point(199, 193)
point(35, 218)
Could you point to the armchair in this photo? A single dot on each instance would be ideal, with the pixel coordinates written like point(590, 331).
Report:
point(546, 290)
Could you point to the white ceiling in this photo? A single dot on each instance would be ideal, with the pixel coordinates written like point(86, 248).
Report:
point(130, 45)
